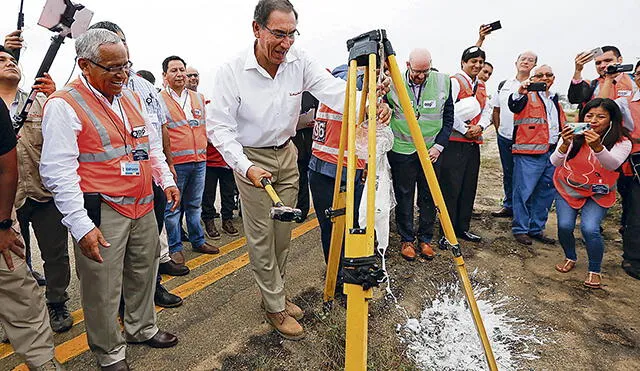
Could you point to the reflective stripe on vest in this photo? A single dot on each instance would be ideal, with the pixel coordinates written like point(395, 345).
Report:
point(334, 151)
point(326, 137)
point(329, 116)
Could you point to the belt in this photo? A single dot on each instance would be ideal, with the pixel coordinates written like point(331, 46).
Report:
point(275, 148)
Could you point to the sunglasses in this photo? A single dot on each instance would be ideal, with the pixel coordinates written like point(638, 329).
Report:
point(192, 75)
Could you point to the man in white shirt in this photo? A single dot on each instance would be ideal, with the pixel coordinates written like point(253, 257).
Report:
point(503, 121)
point(252, 116)
point(538, 117)
point(99, 155)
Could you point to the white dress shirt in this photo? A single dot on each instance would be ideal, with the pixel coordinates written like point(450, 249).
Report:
point(249, 108)
point(59, 163)
point(458, 124)
point(501, 100)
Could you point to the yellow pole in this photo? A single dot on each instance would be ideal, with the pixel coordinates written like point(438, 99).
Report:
point(434, 187)
point(355, 247)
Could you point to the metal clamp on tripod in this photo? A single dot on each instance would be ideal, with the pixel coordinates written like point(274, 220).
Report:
point(362, 271)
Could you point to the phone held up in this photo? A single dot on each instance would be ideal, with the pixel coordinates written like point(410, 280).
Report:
point(537, 86)
point(494, 25)
point(579, 127)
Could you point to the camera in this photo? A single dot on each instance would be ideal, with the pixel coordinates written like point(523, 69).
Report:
point(537, 86)
point(615, 68)
point(579, 127)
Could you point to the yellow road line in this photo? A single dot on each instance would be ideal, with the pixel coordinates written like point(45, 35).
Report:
point(78, 345)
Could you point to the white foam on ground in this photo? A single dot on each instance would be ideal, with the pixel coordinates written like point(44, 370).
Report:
point(445, 337)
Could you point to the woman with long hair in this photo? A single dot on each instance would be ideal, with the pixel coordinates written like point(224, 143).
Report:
point(585, 178)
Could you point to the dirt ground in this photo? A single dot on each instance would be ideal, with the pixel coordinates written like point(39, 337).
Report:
point(220, 325)
point(581, 329)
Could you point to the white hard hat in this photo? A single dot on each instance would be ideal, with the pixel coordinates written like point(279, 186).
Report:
point(468, 108)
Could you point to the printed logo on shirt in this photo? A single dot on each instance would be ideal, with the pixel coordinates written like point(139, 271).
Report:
point(429, 104)
point(624, 93)
point(196, 113)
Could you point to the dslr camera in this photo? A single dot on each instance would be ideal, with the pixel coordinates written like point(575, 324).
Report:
point(615, 68)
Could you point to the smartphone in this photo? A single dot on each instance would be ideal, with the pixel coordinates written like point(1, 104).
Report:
point(579, 127)
point(593, 53)
point(537, 86)
point(53, 12)
point(495, 25)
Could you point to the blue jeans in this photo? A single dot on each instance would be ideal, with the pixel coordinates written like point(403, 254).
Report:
point(590, 219)
point(533, 192)
point(506, 158)
point(191, 178)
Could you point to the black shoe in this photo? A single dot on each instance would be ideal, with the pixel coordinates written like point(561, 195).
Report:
point(173, 269)
point(468, 236)
point(184, 236)
point(59, 317)
point(631, 269)
point(542, 238)
point(165, 299)
point(39, 278)
point(503, 213)
point(523, 239)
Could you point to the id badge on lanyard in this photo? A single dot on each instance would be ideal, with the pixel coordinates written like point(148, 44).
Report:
point(129, 168)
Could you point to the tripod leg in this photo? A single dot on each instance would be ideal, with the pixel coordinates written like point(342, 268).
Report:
point(434, 187)
point(357, 243)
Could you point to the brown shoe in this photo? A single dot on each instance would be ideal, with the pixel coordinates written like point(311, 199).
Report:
point(294, 310)
point(426, 251)
point(211, 230)
point(408, 251)
point(523, 238)
point(118, 366)
point(178, 257)
point(207, 248)
point(228, 228)
point(593, 281)
point(286, 325)
point(566, 266)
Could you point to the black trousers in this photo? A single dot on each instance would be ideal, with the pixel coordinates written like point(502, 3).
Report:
point(459, 181)
point(625, 184)
point(631, 239)
point(227, 185)
point(407, 174)
point(303, 141)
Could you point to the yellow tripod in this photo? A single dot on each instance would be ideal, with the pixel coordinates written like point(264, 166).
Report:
point(359, 269)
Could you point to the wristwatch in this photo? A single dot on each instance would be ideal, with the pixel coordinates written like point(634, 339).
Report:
point(5, 224)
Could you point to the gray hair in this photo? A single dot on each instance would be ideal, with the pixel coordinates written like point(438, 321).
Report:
point(88, 43)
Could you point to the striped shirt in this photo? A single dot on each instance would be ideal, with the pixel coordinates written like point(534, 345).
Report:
point(156, 110)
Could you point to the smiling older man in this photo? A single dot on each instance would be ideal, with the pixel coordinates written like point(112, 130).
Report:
point(100, 153)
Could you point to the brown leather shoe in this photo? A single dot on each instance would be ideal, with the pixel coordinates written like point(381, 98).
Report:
point(207, 248)
point(523, 238)
point(566, 266)
point(161, 339)
point(228, 228)
point(286, 325)
point(426, 251)
point(118, 366)
point(211, 230)
point(178, 257)
point(408, 251)
point(294, 310)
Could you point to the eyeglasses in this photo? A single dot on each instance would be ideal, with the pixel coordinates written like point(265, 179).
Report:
point(541, 75)
point(419, 72)
point(281, 35)
point(114, 69)
point(190, 75)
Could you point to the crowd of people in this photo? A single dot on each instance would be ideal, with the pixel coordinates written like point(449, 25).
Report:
point(123, 166)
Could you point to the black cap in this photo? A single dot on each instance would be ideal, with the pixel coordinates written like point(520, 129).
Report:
point(5, 50)
point(473, 52)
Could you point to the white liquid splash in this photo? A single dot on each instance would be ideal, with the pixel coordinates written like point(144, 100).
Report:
point(445, 337)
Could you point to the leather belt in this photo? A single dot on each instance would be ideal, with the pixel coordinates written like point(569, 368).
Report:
point(275, 148)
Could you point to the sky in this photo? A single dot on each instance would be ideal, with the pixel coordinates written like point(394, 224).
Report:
point(206, 33)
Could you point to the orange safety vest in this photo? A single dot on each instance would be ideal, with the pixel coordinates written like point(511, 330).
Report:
point(467, 91)
point(634, 108)
point(577, 179)
point(531, 127)
point(104, 144)
point(188, 137)
point(326, 137)
point(622, 88)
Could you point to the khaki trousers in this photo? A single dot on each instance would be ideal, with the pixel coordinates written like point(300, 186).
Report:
point(129, 269)
point(267, 239)
point(23, 313)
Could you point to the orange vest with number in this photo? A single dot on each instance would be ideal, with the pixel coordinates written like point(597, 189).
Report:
point(104, 144)
point(466, 91)
point(326, 137)
point(576, 178)
point(634, 108)
point(531, 127)
point(188, 137)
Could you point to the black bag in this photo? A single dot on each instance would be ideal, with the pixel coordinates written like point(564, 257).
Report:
point(92, 203)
